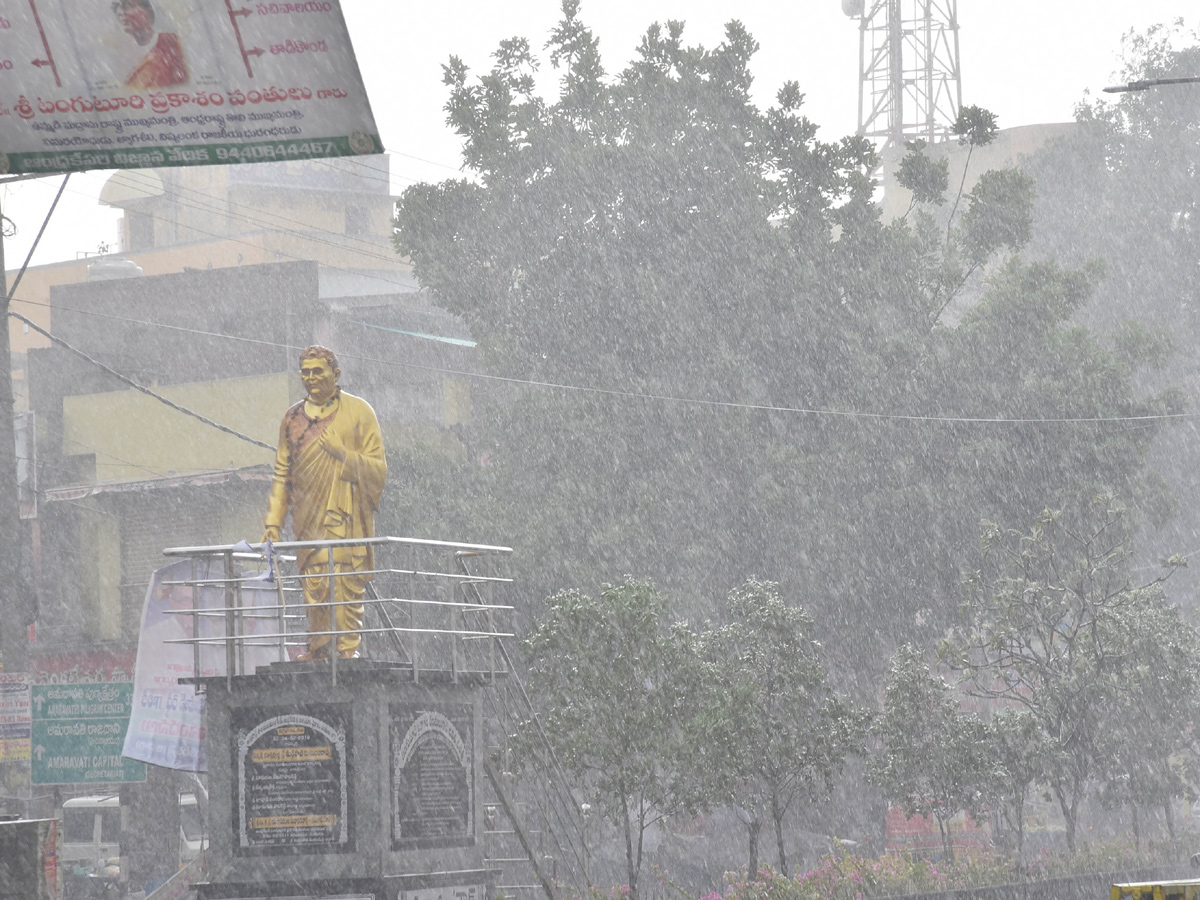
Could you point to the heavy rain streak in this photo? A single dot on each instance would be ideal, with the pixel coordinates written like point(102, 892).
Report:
point(818, 509)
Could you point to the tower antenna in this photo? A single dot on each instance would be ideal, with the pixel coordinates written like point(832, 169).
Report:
point(909, 78)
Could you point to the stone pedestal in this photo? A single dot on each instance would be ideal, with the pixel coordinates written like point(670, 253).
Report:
point(366, 788)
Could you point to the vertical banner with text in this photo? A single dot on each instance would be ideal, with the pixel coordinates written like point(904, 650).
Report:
point(15, 715)
point(168, 722)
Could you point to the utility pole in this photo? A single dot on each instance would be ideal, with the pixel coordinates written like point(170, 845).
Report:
point(14, 586)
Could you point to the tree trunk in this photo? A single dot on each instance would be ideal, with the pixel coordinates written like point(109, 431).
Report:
point(754, 827)
point(783, 865)
point(947, 846)
point(1069, 811)
point(1020, 807)
point(1137, 827)
point(1170, 814)
point(631, 862)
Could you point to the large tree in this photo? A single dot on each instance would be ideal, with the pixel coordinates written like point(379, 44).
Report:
point(722, 361)
point(1152, 747)
point(1121, 190)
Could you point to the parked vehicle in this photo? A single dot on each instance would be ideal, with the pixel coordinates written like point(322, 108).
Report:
point(91, 828)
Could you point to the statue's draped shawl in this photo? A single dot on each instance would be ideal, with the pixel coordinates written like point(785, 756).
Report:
point(329, 499)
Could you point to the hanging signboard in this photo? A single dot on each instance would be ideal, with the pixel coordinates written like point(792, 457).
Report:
point(168, 725)
point(146, 83)
point(78, 731)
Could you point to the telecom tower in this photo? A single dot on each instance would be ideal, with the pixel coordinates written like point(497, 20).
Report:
point(909, 85)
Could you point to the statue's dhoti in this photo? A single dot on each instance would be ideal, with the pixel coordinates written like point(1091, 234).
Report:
point(347, 614)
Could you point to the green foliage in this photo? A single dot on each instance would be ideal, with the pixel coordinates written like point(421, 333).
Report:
point(975, 126)
point(932, 758)
point(846, 876)
point(1018, 751)
point(667, 249)
point(928, 179)
point(1058, 630)
point(999, 215)
point(781, 733)
point(1120, 186)
point(613, 689)
point(1152, 755)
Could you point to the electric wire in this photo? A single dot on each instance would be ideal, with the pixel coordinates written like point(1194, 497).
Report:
point(133, 384)
point(624, 394)
point(665, 398)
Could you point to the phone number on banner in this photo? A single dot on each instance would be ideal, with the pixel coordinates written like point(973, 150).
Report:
point(189, 155)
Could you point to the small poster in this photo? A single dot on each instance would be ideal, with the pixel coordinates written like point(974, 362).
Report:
point(15, 715)
point(433, 776)
point(292, 780)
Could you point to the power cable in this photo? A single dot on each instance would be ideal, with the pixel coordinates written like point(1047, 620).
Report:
point(851, 414)
point(145, 390)
point(666, 398)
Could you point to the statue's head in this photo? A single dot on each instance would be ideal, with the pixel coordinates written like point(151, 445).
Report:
point(320, 373)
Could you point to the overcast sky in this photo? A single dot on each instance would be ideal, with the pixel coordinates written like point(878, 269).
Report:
point(1027, 61)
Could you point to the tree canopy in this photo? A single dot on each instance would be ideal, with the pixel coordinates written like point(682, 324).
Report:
point(720, 361)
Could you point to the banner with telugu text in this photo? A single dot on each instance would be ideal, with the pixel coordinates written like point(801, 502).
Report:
point(167, 724)
point(146, 83)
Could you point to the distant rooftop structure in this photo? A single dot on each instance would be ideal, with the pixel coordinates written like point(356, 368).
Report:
point(339, 200)
point(909, 76)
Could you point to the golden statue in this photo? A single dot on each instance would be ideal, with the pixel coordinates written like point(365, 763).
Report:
point(329, 471)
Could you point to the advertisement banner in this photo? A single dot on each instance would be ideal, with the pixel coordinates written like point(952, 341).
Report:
point(146, 83)
point(15, 715)
point(167, 724)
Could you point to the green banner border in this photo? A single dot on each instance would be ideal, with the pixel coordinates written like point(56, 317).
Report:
point(57, 162)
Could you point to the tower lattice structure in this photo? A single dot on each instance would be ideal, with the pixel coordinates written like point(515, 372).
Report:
point(909, 77)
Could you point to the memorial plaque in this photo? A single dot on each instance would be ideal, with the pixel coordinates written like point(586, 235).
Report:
point(292, 780)
point(433, 776)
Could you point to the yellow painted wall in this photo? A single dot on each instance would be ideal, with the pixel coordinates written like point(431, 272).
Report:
point(135, 437)
point(100, 575)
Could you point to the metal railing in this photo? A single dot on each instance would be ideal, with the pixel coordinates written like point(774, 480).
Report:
point(249, 600)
